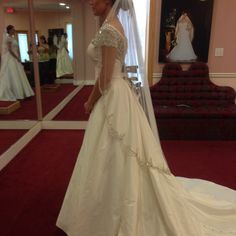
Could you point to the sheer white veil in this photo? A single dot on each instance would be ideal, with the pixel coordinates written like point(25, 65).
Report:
point(125, 11)
point(4, 48)
point(4, 43)
point(63, 39)
point(55, 40)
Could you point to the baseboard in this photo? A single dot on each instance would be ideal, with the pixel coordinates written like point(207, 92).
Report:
point(83, 82)
point(89, 82)
point(157, 76)
point(64, 81)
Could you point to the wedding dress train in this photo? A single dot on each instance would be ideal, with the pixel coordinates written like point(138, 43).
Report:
point(121, 184)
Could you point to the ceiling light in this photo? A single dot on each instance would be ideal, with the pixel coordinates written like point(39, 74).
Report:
point(67, 7)
point(62, 4)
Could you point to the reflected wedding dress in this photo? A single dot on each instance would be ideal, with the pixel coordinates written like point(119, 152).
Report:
point(64, 64)
point(13, 81)
point(183, 51)
point(121, 184)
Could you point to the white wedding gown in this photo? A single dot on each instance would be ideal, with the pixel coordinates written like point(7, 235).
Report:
point(183, 51)
point(121, 185)
point(64, 63)
point(13, 81)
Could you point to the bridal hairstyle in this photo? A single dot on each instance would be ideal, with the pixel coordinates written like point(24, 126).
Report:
point(9, 28)
point(42, 37)
point(5, 36)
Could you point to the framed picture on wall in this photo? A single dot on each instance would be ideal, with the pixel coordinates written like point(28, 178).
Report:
point(185, 30)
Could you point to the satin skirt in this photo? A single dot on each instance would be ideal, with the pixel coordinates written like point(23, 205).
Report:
point(122, 186)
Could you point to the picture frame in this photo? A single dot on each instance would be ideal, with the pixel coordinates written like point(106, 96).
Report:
point(185, 30)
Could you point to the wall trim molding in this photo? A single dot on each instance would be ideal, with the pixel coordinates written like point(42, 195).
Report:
point(84, 82)
point(223, 75)
point(157, 76)
point(89, 82)
point(64, 81)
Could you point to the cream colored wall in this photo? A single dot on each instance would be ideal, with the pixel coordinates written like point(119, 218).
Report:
point(223, 35)
point(48, 20)
point(1, 24)
point(43, 20)
point(223, 69)
point(19, 19)
point(89, 32)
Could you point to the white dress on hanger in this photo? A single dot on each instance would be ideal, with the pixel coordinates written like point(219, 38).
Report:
point(13, 81)
point(121, 184)
point(183, 51)
point(64, 63)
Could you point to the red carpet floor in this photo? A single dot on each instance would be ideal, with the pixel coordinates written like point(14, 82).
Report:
point(50, 99)
point(75, 109)
point(209, 160)
point(33, 185)
point(9, 137)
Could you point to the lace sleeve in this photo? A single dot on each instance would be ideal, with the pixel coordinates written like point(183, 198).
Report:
point(8, 39)
point(107, 43)
point(106, 37)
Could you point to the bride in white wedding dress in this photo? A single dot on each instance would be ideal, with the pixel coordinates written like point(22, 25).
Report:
point(184, 31)
point(121, 184)
point(13, 81)
point(64, 63)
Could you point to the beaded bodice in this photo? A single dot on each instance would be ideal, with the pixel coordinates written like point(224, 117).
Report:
point(108, 36)
point(14, 44)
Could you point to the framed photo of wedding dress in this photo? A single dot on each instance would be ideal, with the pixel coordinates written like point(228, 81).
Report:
point(185, 30)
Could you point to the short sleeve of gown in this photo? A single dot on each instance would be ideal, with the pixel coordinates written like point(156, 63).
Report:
point(8, 39)
point(106, 37)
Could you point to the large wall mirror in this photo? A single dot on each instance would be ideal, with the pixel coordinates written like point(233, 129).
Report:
point(60, 38)
point(51, 37)
point(18, 106)
point(68, 26)
point(18, 102)
point(54, 40)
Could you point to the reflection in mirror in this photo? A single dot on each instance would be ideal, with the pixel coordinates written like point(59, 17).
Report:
point(84, 27)
point(17, 95)
point(53, 25)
